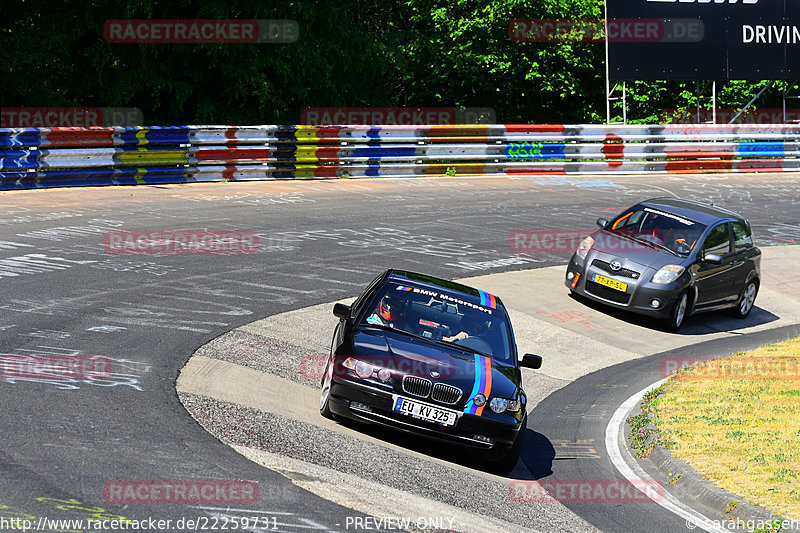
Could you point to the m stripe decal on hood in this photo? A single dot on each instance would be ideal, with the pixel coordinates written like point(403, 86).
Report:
point(482, 384)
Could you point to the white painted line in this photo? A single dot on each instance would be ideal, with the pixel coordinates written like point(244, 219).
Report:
point(624, 462)
point(229, 510)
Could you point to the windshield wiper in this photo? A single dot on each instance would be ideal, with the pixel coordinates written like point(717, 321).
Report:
point(656, 245)
point(385, 328)
point(648, 243)
point(462, 348)
point(429, 339)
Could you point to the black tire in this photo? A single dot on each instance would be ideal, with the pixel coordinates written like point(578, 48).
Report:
point(679, 311)
point(507, 462)
point(324, 397)
point(746, 301)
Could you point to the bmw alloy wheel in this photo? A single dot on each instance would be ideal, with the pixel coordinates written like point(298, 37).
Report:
point(324, 409)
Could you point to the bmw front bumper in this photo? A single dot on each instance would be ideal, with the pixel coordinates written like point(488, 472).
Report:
point(356, 401)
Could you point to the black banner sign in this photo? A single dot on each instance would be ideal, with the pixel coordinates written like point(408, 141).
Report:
point(704, 39)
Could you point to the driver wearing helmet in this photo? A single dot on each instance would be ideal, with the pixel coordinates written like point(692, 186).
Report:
point(391, 311)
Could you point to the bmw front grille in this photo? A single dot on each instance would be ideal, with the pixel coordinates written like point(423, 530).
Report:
point(415, 386)
point(446, 393)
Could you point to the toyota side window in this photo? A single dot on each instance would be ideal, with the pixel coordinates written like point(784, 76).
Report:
point(718, 241)
point(742, 236)
point(629, 222)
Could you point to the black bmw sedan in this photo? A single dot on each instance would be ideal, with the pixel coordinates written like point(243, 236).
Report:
point(433, 358)
point(669, 258)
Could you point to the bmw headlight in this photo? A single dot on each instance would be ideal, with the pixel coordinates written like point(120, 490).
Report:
point(364, 370)
point(668, 274)
point(499, 405)
point(584, 247)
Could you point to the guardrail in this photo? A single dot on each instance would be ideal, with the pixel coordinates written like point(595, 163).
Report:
point(55, 157)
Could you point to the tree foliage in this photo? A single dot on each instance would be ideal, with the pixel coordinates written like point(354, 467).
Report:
point(360, 53)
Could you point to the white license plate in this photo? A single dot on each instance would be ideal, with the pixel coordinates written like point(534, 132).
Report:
point(424, 411)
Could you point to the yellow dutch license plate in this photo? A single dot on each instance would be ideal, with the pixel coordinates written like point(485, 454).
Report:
point(602, 280)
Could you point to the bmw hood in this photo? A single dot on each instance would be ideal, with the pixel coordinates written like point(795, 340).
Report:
point(407, 355)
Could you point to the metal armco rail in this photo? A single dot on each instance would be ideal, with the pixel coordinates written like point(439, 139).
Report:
point(54, 157)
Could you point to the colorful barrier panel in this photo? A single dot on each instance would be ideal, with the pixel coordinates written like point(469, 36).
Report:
point(57, 157)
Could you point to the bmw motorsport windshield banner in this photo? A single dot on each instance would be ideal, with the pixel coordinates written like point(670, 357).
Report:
point(705, 39)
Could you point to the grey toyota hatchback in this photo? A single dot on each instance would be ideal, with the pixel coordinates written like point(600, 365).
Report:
point(669, 258)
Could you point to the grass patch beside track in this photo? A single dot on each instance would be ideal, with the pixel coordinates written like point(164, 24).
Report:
point(736, 421)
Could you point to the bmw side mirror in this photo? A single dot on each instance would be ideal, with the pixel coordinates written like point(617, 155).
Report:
point(530, 360)
point(602, 222)
point(713, 259)
point(341, 311)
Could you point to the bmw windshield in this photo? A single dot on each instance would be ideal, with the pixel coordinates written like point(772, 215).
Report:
point(442, 316)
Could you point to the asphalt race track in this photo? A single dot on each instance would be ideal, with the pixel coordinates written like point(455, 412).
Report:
point(602, 391)
point(65, 294)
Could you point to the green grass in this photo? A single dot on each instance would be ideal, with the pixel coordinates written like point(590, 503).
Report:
point(736, 421)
